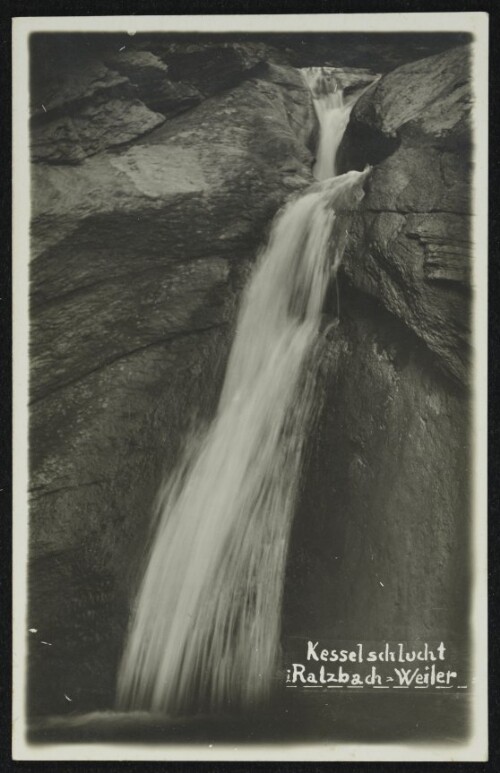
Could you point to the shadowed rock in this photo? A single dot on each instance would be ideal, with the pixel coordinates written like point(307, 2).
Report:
point(139, 256)
point(410, 246)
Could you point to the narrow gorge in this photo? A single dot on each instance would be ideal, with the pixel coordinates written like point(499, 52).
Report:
point(250, 362)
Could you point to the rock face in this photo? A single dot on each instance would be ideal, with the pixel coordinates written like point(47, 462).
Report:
point(415, 228)
point(80, 106)
point(157, 172)
point(386, 500)
point(139, 255)
point(380, 548)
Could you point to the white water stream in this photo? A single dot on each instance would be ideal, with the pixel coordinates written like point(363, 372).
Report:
point(205, 629)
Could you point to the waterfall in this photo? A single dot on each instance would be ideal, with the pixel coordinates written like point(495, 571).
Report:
point(205, 630)
point(333, 109)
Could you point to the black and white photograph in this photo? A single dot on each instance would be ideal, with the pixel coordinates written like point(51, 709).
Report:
point(250, 267)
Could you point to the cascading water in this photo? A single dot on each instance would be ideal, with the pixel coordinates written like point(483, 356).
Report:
point(332, 110)
point(206, 625)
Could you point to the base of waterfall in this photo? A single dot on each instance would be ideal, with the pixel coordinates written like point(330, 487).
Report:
point(304, 717)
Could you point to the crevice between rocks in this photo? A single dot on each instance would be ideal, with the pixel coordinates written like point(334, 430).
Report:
point(363, 145)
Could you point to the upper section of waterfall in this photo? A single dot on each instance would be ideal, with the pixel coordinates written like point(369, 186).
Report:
point(333, 104)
